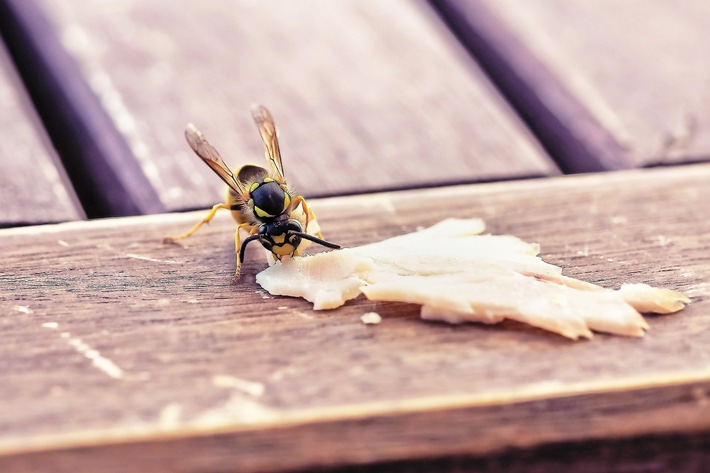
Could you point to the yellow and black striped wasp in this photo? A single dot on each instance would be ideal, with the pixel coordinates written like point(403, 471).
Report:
point(260, 200)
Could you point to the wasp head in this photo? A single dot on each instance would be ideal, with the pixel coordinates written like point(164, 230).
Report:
point(281, 236)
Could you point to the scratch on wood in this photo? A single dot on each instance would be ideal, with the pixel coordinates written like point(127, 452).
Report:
point(304, 315)
point(99, 361)
point(154, 260)
point(251, 388)
point(237, 408)
point(76, 40)
point(618, 220)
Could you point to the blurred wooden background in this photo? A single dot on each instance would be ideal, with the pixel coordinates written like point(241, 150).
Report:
point(367, 95)
point(605, 85)
point(34, 187)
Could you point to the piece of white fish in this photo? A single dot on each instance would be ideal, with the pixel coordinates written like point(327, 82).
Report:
point(458, 275)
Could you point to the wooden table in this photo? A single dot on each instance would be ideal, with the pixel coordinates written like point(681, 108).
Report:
point(120, 353)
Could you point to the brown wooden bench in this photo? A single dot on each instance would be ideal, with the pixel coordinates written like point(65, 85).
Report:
point(33, 185)
point(369, 102)
point(121, 353)
point(605, 86)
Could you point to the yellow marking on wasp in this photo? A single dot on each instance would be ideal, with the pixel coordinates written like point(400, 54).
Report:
point(261, 214)
point(287, 201)
point(253, 187)
point(279, 238)
point(286, 250)
point(268, 179)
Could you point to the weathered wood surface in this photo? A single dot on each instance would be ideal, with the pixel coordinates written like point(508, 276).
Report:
point(367, 95)
point(646, 454)
point(606, 84)
point(33, 186)
point(108, 180)
point(120, 353)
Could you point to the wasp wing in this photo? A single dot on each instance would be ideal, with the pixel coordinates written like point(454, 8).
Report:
point(267, 129)
point(211, 157)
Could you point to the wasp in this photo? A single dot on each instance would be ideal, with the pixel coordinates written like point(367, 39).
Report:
point(260, 200)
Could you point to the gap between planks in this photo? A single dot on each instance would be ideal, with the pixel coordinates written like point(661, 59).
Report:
point(578, 181)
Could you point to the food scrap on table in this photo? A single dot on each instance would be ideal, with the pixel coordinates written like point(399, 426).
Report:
point(457, 274)
point(371, 318)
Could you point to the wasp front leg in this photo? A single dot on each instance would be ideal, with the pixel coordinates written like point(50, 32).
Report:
point(308, 212)
point(207, 219)
point(240, 247)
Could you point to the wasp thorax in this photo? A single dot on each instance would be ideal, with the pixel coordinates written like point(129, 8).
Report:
point(270, 199)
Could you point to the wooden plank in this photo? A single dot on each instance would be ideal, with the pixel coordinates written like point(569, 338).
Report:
point(367, 95)
point(121, 353)
point(679, 453)
point(33, 186)
point(107, 176)
point(606, 85)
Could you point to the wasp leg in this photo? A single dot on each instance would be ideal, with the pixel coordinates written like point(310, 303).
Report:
point(208, 217)
point(308, 213)
point(238, 251)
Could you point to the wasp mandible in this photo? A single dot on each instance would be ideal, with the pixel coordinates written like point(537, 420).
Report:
point(260, 200)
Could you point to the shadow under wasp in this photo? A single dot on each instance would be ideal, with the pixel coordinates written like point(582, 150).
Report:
point(260, 200)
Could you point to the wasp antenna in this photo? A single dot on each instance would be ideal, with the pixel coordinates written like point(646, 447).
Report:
point(242, 250)
point(310, 237)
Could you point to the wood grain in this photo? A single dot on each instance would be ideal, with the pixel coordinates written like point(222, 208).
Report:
point(106, 175)
point(33, 186)
point(606, 85)
point(120, 353)
point(647, 454)
point(367, 95)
